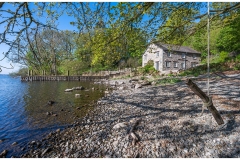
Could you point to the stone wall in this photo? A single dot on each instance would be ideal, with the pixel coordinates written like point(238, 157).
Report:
point(176, 57)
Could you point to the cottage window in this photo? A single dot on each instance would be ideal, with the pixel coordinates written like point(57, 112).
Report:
point(145, 57)
point(183, 65)
point(183, 55)
point(193, 64)
point(168, 64)
point(175, 64)
point(157, 54)
point(169, 54)
point(194, 56)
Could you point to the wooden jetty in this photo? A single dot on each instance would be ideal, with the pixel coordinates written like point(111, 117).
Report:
point(63, 78)
point(103, 75)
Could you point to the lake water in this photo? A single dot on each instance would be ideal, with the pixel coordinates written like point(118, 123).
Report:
point(23, 108)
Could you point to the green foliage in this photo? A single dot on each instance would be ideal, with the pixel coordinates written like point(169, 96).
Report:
point(237, 58)
point(166, 81)
point(222, 57)
point(175, 29)
point(228, 39)
point(48, 50)
point(148, 68)
point(23, 71)
point(108, 47)
point(74, 67)
point(214, 67)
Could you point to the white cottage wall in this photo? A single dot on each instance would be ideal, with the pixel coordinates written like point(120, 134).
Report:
point(151, 54)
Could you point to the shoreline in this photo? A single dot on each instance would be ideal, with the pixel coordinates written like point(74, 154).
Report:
point(164, 120)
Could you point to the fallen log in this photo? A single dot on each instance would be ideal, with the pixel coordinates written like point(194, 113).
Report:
point(207, 101)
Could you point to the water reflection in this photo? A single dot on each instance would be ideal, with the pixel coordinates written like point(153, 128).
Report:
point(66, 106)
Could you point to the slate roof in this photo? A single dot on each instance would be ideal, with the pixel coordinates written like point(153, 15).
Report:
point(176, 48)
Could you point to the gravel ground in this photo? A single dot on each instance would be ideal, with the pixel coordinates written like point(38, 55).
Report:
point(152, 121)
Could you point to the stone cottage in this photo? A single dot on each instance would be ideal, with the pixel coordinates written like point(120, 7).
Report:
point(168, 58)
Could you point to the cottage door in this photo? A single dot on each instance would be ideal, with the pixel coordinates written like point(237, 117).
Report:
point(157, 65)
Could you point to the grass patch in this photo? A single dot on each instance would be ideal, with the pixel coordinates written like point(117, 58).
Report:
point(166, 81)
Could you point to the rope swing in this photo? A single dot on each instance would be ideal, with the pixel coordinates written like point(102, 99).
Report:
point(206, 99)
point(208, 33)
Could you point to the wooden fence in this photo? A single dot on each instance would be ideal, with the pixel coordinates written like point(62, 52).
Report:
point(100, 76)
point(63, 78)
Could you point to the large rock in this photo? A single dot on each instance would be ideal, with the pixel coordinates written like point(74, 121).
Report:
point(68, 90)
point(121, 83)
point(138, 85)
point(145, 83)
point(120, 125)
point(154, 83)
point(3, 154)
point(79, 88)
point(46, 151)
point(50, 102)
point(122, 88)
point(77, 95)
point(133, 80)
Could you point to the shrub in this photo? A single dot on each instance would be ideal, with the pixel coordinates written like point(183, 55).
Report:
point(148, 69)
point(142, 78)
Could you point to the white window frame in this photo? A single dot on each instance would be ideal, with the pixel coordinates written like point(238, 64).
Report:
point(157, 53)
point(169, 54)
point(183, 65)
point(193, 64)
point(168, 64)
point(175, 64)
point(194, 56)
point(183, 55)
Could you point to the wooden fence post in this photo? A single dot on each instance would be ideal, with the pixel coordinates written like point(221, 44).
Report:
point(207, 101)
point(68, 75)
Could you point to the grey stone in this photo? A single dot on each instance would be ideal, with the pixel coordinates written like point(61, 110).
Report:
point(4, 153)
point(46, 151)
point(138, 86)
point(14, 143)
point(185, 150)
point(172, 148)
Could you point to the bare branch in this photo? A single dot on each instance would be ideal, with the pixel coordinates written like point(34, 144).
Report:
point(1, 4)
